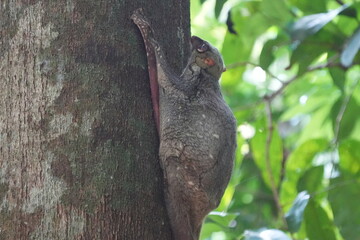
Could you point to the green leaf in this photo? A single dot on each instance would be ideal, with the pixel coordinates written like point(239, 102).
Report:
point(301, 158)
point(235, 177)
point(347, 120)
point(251, 235)
point(318, 224)
point(267, 55)
point(294, 216)
point(276, 12)
point(298, 162)
point(313, 6)
point(238, 48)
point(306, 111)
point(338, 77)
point(349, 152)
point(344, 26)
point(311, 24)
point(218, 7)
point(344, 200)
point(305, 54)
point(351, 49)
point(221, 218)
point(311, 180)
point(232, 53)
point(350, 12)
point(208, 228)
point(268, 234)
point(316, 100)
point(270, 174)
point(320, 125)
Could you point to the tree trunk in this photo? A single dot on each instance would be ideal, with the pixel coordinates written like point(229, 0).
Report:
point(78, 144)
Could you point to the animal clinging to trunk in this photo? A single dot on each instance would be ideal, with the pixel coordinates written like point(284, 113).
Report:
point(197, 131)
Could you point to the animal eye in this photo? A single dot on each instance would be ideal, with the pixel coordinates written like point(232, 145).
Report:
point(202, 48)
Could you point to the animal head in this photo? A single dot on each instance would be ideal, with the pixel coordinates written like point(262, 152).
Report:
point(207, 57)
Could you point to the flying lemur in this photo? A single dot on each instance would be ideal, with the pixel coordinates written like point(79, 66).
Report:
point(197, 131)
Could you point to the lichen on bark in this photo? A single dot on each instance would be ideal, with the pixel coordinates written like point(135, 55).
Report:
point(78, 150)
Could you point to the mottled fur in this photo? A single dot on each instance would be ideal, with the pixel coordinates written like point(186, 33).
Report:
point(197, 132)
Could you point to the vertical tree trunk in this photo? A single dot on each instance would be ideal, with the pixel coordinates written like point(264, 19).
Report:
point(78, 145)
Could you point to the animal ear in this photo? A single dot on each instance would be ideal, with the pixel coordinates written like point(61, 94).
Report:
point(202, 48)
point(199, 44)
point(209, 61)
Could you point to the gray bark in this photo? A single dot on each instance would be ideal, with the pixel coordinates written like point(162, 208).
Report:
point(78, 144)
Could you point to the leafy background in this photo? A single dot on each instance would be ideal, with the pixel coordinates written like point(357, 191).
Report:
point(292, 81)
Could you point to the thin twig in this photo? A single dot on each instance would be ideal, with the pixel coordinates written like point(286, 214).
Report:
point(292, 79)
point(342, 110)
point(270, 130)
point(284, 84)
point(239, 64)
point(339, 118)
point(334, 186)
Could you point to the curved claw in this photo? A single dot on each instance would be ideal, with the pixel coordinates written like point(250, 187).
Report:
point(146, 31)
point(139, 19)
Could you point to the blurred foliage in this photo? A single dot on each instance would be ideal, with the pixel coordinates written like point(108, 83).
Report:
point(292, 81)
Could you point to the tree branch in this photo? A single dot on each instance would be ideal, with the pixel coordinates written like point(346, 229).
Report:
point(292, 79)
point(270, 130)
point(239, 64)
point(343, 107)
point(284, 84)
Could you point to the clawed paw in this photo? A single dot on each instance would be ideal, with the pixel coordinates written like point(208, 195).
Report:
point(138, 16)
point(141, 21)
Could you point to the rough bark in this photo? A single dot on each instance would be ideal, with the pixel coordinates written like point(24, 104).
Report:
point(78, 144)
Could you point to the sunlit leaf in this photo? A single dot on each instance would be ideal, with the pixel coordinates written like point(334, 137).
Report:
point(268, 234)
point(311, 24)
point(276, 11)
point(208, 228)
point(343, 116)
point(250, 235)
point(270, 168)
point(301, 158)
point(348, 25)
point(338, 77)
point(317, 100)
point(349, 151)
point(313, 6)
point(221, 218)
point(298, 162)
point(274, 234)
point(305, 54)
point(351, 49)
point(308, 110)
point(317, 222)
point(230, 190)
point(294, 216)
point(320, 125)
